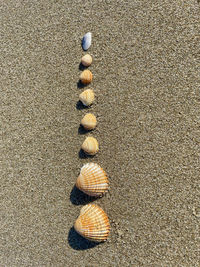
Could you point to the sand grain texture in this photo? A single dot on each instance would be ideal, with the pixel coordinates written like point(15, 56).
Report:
point(146, 79)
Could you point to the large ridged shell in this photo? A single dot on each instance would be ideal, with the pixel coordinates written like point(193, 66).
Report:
point(86, 77)
point(89, 121)
point(86, 41)
point(93, 223)
point(87, 97)
point(92, 180)
point(90, 145)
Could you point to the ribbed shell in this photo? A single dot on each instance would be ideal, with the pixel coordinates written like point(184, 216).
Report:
point(87, 97)
point(92, 180)
point(86, 77)
point(93, 223)
point(89, 121)
point(90, 145)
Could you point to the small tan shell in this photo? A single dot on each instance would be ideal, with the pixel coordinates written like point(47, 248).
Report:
point(87, 97)
point(92, 180)
point(93, 223)
point(89, 121)
point(90, 145)
point(86, 60)
point(86, 76)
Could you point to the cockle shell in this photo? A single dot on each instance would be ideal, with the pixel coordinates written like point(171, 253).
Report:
point(86, 41)
point(87, 97)
point(86, 60)
point(92, 180)
point(90, 145)
point(86, 77)
point(93, 223)
point(89, 121)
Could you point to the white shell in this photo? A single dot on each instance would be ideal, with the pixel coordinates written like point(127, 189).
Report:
point(87, 40)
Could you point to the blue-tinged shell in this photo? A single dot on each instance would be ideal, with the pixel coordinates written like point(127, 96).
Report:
point(87, 40)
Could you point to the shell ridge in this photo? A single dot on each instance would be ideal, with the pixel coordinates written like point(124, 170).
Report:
point(92, 180)
point(93, 223)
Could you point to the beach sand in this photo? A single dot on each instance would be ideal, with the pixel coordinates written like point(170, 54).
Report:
point(146, 81)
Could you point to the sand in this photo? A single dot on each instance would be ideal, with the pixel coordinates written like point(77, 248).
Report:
point(146, 81)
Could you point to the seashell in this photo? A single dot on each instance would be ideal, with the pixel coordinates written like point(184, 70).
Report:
point(90, 145)
point(92, 180)
point(89, 121)
point(87, 97)
point(86, 60)
point(86, 41)
point(86, 77)
point(93, 223)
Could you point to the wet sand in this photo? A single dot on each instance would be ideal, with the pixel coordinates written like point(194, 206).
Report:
point(146, 81)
